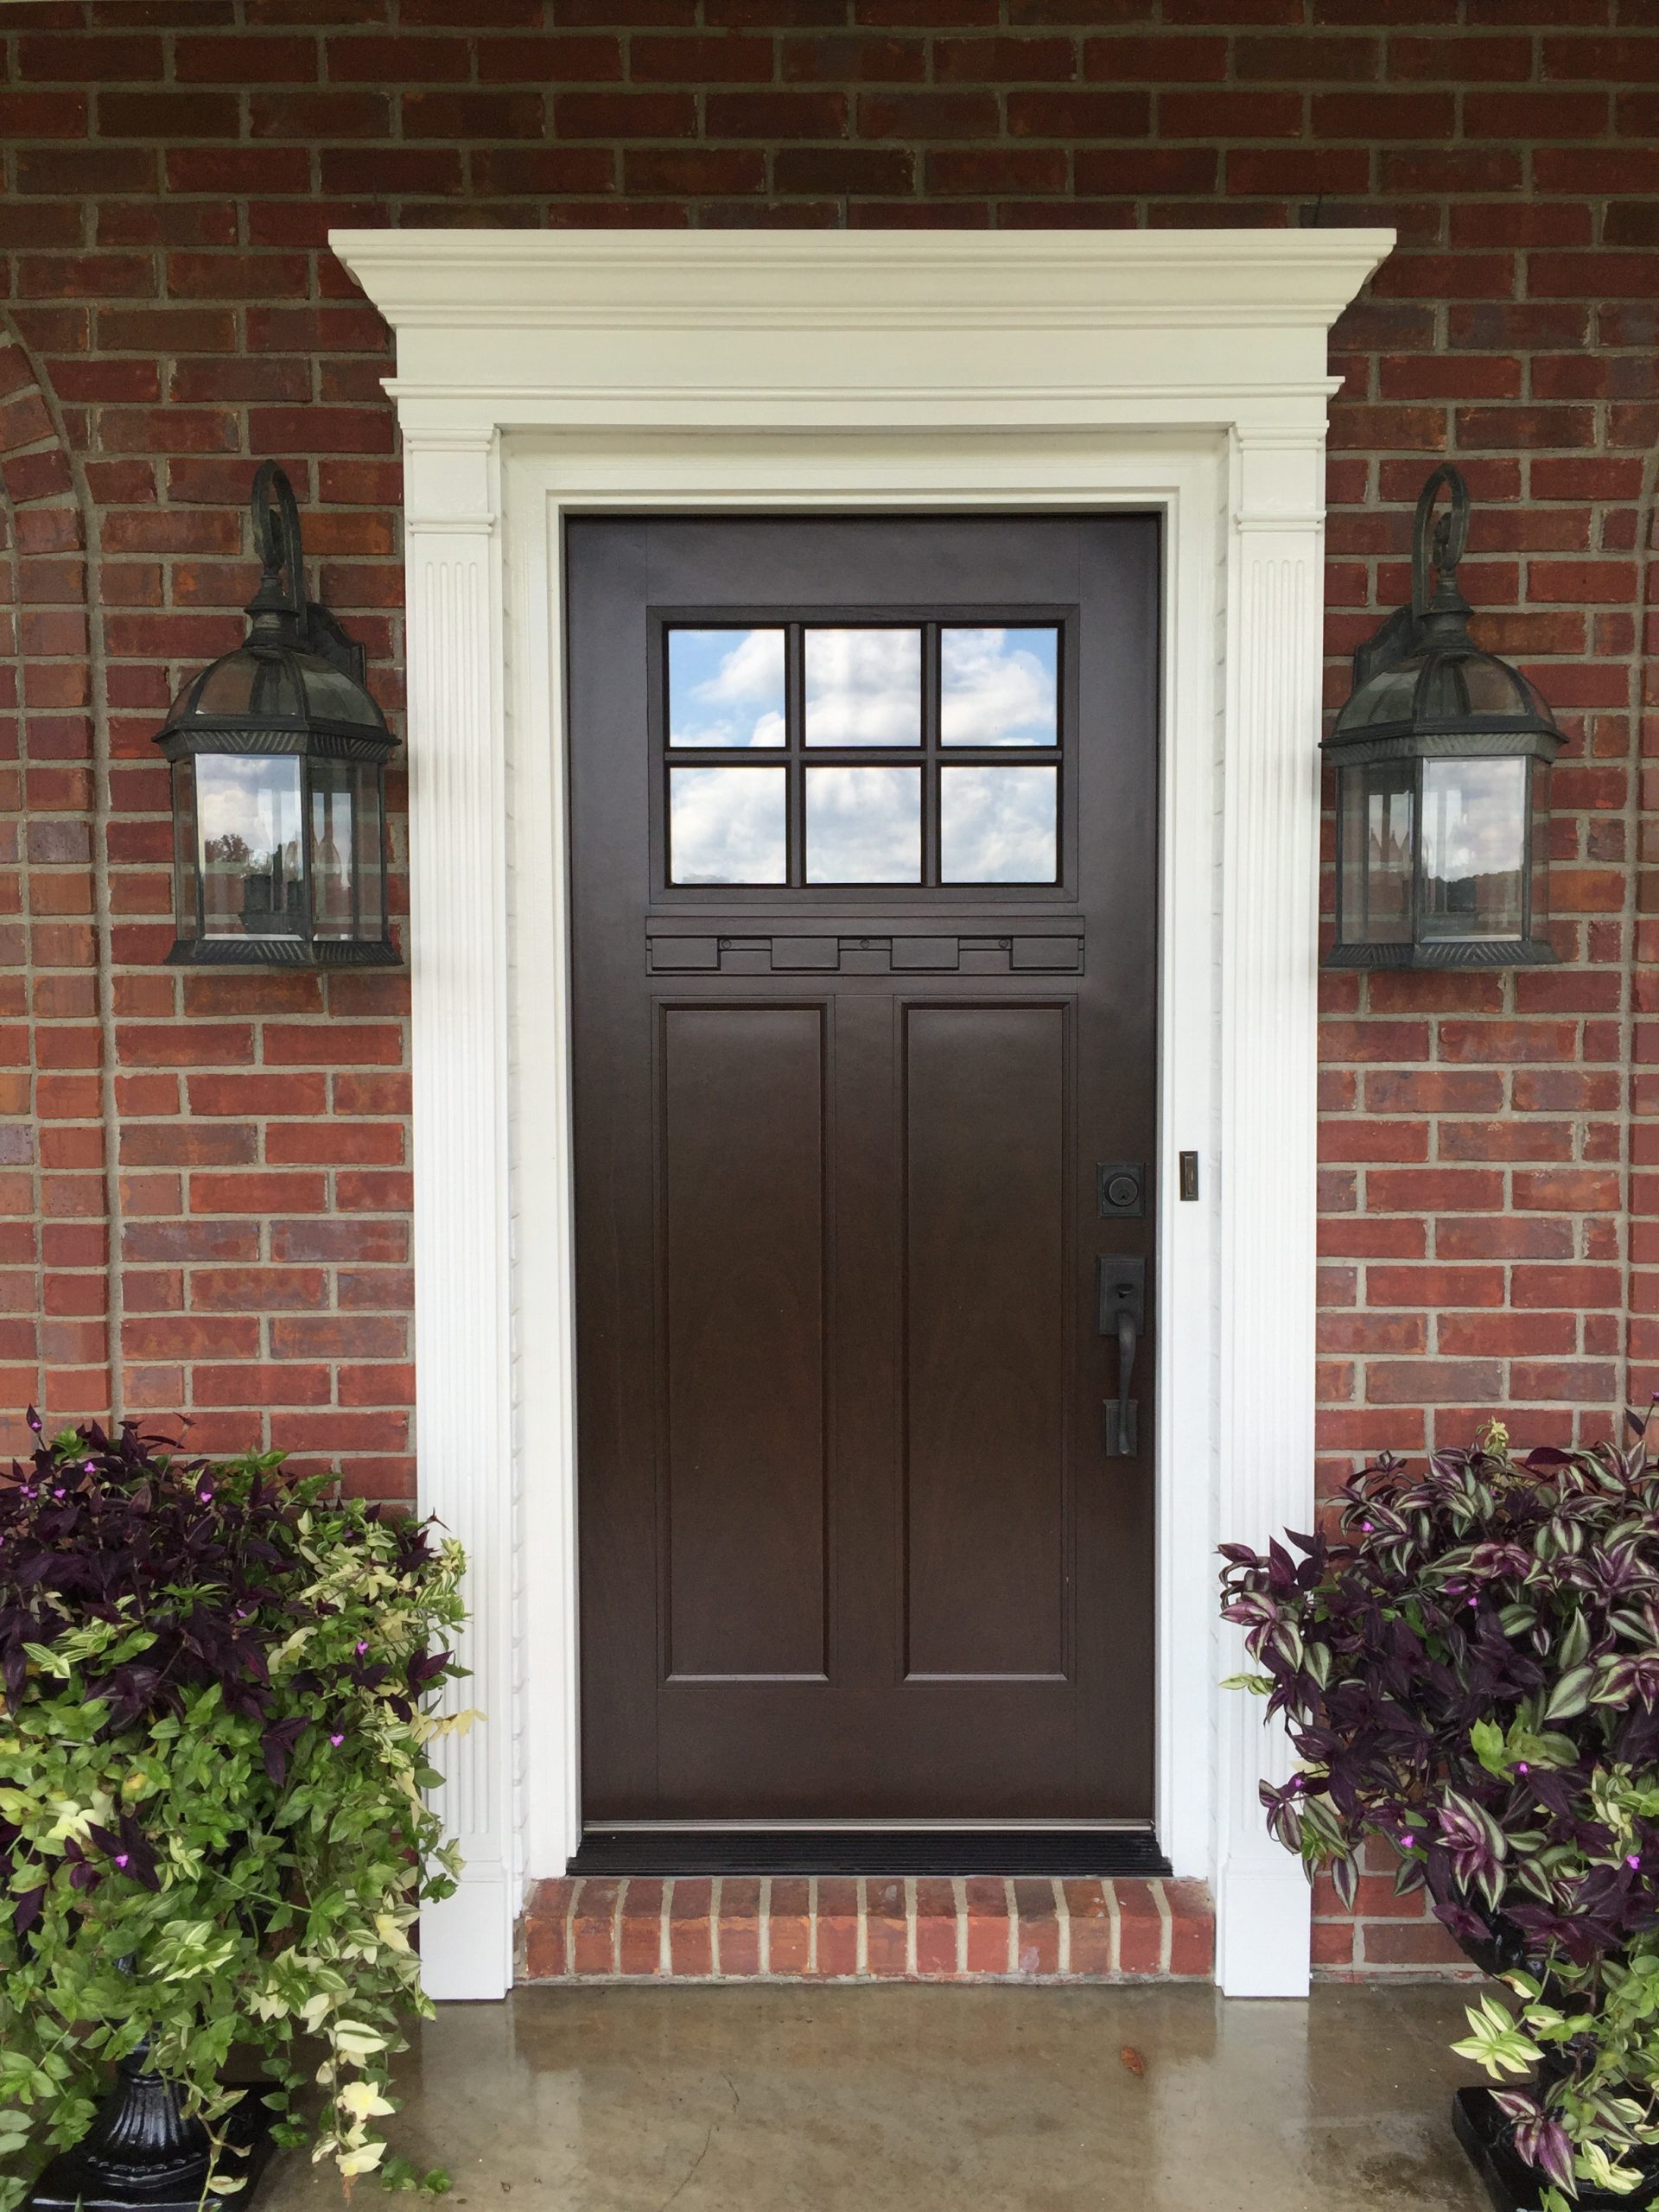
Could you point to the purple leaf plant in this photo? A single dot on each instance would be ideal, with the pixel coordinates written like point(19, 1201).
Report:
point(1468, 1668)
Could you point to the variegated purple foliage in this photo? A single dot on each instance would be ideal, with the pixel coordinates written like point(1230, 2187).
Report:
point(1469, 1669)
point(109, 1527)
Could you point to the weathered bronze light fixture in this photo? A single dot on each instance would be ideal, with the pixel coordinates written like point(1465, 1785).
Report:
point(279, 757)
point(1442, 755)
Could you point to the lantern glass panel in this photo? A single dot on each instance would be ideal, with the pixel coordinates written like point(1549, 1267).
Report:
point(334, 849)
point(248, 829)
point(1538, 903)
point(1376, 833)
point(1474, 837)
point(246, 684)
point(332, 695)
point(185, 850)
point(371, 851)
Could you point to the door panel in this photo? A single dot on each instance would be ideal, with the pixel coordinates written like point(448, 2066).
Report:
point(987, 1127)
point(863, 837)
point(742, 1179)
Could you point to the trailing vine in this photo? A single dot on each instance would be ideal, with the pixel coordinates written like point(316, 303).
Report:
point(216, 1692)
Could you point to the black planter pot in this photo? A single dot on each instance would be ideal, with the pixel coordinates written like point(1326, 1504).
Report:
point(1511, 2183)
point(143, 2155)
point(1486, 2133)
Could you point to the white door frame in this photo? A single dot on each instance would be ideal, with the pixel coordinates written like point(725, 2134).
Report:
point(546, 373)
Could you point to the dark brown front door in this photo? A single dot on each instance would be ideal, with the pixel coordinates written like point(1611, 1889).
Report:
point(863, 834)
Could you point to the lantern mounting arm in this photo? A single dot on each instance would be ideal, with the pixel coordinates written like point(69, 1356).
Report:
point(1440, 550)
point(279, 609)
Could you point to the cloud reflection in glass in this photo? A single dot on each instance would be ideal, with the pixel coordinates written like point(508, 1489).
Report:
point(864, 687)
point(999, 686)
point(725, 687)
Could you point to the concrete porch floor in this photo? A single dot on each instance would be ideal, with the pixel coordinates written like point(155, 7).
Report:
point(909, 2098)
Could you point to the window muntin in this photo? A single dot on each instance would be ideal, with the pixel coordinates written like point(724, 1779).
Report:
point(922, 753)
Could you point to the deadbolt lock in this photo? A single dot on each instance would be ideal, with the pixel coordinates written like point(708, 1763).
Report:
point(1121, 1186)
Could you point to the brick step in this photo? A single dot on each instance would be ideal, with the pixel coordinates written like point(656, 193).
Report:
point(845, 1927)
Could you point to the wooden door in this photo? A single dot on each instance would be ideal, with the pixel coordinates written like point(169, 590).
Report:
point(863, 837)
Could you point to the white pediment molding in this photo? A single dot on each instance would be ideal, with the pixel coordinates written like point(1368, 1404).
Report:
point(752, 326)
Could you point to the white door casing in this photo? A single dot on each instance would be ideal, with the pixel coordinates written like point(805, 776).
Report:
point(542, 373)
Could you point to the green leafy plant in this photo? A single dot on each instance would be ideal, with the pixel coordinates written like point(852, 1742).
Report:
point(215, 1709)
point(1469, 1670)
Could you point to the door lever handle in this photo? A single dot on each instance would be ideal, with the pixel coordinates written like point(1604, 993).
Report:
point(1121, 1300)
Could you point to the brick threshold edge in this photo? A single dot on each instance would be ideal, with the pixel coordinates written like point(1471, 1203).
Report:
point(844, 1927)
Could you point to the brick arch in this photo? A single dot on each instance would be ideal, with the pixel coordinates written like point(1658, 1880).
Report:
point(54, 1212)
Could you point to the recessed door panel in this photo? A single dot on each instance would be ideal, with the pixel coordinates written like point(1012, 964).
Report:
point(742, 1180)
point(987, 1125)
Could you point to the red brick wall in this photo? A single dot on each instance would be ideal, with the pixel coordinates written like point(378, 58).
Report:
point(171, 168)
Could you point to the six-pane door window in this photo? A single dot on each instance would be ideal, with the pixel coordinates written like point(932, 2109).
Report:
point(920, 752)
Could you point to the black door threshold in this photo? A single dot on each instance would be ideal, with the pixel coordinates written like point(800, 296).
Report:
point(1080, 1852)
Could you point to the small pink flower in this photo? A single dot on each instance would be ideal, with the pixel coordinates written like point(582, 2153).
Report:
point(361, 1648)
point(1521, 1766)
point(121, 1859)
point(337, 1741)
point(1632, 1859)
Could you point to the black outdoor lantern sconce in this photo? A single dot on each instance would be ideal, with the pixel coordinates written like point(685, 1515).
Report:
point(1442, 756)
point(279, 757)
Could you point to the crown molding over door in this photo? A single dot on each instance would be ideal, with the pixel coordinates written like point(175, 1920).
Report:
point(545, 372)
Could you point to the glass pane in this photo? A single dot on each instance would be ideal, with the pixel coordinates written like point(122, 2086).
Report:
point(1474, 848)
point(727, 825)
point(1376, 858)
point(334, 849)
point(998, 687)
point(1538, 914)
point(184, 845)
point(998, 825)
point(371, 852)
point(864, 687)
point(332, 695)
point(725, 687)
point(863, 825)
point(248, 820)
point(246, 683)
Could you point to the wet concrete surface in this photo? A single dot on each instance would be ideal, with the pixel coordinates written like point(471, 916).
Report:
point(931, 2100)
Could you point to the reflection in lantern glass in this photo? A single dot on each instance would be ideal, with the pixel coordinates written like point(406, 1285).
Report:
point(333, 848)
point(248, 824)
point(1474, 846)
point(1377, 852)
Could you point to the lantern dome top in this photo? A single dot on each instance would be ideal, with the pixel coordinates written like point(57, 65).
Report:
point(1421, 684)
point(1448, 687)
point(295, 684)
point(271, 697)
